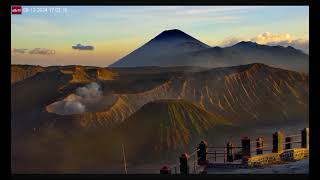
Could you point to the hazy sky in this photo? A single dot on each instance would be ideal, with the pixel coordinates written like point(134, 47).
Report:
point(114, 31)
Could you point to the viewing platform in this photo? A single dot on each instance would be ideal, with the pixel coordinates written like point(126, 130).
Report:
point(249, 155)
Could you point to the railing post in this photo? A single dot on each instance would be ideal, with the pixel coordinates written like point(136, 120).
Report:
point(195, 160)
point(184, 167)
point(229, 152)
point(305, 138)
point(165, 170)
point(288, 141)
point(245, 142)
point(202, 153)
point(277, 142)
point(259, 145)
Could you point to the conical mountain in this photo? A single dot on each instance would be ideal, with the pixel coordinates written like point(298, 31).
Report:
point(176, 48)
point(166, 44)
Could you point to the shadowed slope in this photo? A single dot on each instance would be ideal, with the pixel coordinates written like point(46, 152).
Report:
point(167, 125)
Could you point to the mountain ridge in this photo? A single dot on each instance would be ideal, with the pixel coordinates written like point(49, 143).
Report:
point(232, 85)
point(176, 48)
point(156, 113)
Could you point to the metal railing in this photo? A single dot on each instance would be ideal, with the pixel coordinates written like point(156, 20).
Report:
point(230, 153)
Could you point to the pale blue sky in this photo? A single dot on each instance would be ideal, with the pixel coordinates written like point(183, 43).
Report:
point(115, 31)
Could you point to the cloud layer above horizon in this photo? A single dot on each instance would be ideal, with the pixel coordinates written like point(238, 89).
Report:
point(268, 38)
point(40, 51)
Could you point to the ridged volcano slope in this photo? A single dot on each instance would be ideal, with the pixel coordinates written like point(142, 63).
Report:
point(21, 72)
point(253, 93)
point(169, 124)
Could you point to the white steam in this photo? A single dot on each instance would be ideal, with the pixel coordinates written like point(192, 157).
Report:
point(79, 102)
point(90, 93)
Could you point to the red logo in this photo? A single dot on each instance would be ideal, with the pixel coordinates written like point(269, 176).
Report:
point(16, 9)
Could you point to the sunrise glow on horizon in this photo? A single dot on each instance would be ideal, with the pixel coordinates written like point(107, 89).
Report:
point(114, 31)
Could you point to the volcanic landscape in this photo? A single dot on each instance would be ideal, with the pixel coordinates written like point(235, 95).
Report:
point(158, 101)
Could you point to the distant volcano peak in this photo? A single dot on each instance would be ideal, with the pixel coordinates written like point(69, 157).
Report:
point(173, 33)
point(173, 47)
point(173, 30)
point(168, 43)
point(246, 44)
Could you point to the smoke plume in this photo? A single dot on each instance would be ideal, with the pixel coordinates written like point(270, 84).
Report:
point(78, 103)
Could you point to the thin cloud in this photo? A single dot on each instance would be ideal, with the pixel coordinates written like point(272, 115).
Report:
point(42, 51)
point(19, 50)
point(268, 37)
point(176, 13)
point(206, 10)
point(83, 47)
